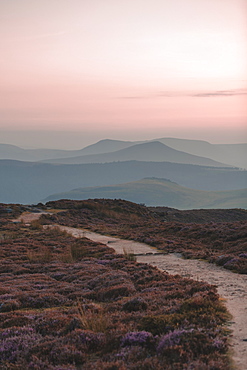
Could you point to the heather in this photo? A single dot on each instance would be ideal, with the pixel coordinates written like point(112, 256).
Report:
point(187, 232)
point(70, 303)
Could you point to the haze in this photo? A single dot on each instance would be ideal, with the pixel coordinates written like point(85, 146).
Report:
point(74, 72)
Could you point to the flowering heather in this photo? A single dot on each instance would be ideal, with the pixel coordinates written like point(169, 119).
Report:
point(16, 343)
point(171, 339)
point(97, 310)
point(242, 255)
point(137, 338)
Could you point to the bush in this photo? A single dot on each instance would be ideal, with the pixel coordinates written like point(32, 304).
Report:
point(137, 338)
point(135, 304)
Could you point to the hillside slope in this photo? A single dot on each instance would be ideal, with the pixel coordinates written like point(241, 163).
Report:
point(233, 154)
point(26, 182)
point(154, 192)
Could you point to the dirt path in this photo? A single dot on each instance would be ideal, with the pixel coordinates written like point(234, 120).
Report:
point(231, 287)
point(28, 217)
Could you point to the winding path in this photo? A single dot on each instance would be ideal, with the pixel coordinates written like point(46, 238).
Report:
point(231, 287)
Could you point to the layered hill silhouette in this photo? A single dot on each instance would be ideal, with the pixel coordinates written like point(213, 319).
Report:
point(160, 192)
point(231, 154)
point(30, 175)
point(14, 152)
point(28, 182)
point(152, 151)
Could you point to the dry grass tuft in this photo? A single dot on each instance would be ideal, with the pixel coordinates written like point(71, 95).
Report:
point(92, 317)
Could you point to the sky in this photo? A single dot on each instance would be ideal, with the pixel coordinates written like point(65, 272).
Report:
point(77, 71)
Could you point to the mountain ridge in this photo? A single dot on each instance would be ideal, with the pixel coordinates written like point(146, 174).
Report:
point(231, 154)
point(153, 151)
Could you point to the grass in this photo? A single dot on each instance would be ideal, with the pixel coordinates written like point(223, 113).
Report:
point(92, 317)
point(129, 254)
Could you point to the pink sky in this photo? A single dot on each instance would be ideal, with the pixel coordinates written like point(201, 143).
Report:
point(130, 69)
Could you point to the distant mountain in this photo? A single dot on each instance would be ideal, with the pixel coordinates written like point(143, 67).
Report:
point(28, 182)
point(107, 146)
point(160, 192)
point(15, 153)
point(233, 154)
point(103, 146)
point(151, 151)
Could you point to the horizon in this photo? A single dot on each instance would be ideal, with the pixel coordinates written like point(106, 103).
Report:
point(76, 141)
point(76, 72)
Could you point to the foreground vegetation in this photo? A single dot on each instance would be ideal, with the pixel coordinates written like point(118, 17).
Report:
point(70, 303)
point(219, 236)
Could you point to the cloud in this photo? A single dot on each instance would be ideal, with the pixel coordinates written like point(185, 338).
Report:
point(207, 94)
point(221, 93)
point(133, 97)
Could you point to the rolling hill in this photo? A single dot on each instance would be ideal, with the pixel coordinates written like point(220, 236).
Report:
point(233, 154)
point(151, 151)
point(14, 152)
point(160, 192)
point(28, 182)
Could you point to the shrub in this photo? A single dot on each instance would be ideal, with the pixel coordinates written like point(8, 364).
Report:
point(16, 342)
point(137, 338)
point(10, 305)
point(36, 225)
point(77, 251)
point(43, 256)
point(171, 339)
point(155, 324)
point(135, 304)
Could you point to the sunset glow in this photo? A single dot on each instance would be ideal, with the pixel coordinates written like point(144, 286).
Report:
point(124, 68)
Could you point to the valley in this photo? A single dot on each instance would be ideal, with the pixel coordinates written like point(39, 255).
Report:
point(150, 172)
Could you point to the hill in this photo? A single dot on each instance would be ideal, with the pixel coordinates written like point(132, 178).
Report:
point(160, 192)
point(14, 152)
point(151, 151)
point(27, 182)
point(199, 216)
point(233, 154)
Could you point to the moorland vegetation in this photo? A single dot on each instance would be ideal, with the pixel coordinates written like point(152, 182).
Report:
point(70, 303)
point(223, 240)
